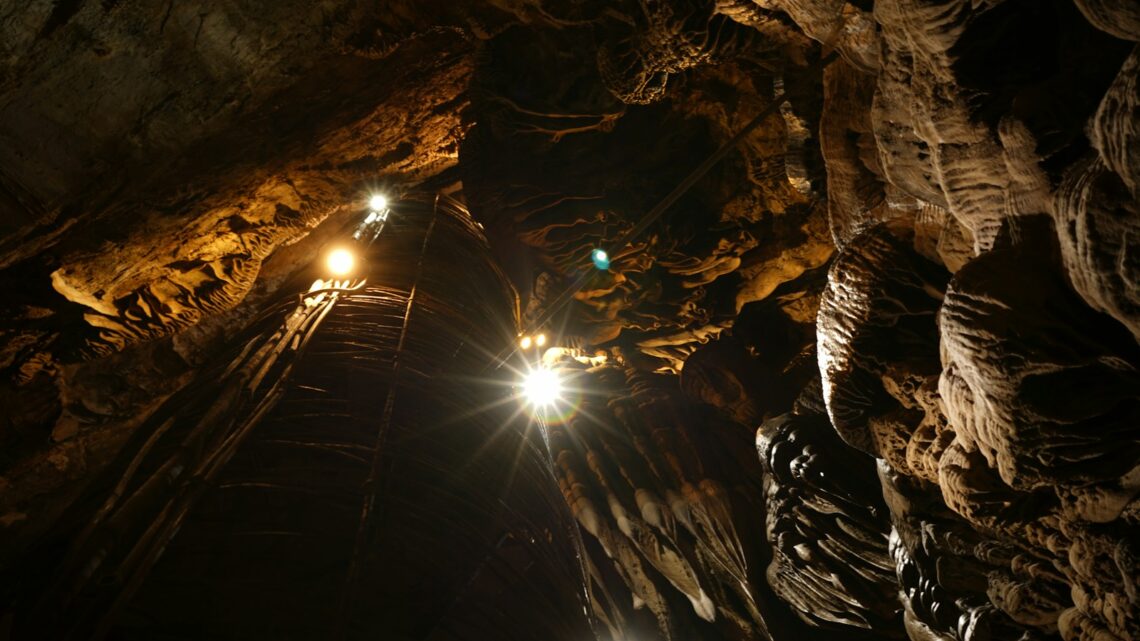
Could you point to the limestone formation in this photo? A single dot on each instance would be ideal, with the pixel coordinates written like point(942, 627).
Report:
point(877, 339)
point(827, 527)
point(1096, 207)
point(915, 281)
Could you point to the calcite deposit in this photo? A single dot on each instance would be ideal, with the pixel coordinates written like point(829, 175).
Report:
point(871, 374)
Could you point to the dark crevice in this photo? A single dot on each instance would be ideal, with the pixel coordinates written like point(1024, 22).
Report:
point(62, 12)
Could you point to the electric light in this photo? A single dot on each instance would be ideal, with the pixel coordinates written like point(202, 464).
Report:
point(540, 340)
point(340, 262)
point(378, 202)
point(525, 342)
point(601, 258)
point(542, 387)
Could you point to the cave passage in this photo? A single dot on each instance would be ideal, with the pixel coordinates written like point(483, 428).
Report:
point(304, 485)
point(626, 320)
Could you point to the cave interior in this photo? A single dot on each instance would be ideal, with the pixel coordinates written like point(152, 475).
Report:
point(841, 299)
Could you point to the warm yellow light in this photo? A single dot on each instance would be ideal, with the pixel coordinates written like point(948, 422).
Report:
point(540, 340)
point(378, 202)
point(542, 387)
point(340, 262)
point(525, 342)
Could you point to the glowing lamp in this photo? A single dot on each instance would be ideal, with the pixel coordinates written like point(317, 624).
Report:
point(540, 340)
point(340, 262)
point(542, 387)
point(378, 202)
point(525, 342)
point(600, 258)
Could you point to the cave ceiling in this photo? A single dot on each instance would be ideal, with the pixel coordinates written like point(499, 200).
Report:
point(874, 374)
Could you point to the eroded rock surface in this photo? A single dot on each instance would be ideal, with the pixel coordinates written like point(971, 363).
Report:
point(937, 221)
point(827, 526)
point(1096, 206)
point(666, 506)
point(165, 196)
point(876, 339)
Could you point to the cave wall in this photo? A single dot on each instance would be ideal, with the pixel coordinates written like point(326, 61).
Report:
point(293, 487)
point(977, 195)
point(915, 281)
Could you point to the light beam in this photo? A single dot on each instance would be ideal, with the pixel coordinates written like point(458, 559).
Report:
point(340, 262)
point(542, 387)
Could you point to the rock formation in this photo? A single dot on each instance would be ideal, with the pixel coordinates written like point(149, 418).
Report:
point(914, 280)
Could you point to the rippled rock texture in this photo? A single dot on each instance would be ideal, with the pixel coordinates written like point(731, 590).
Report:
point(555, 173)
point(990, 368)
point(915, 280)
point(828, 527)
point(1096, 207)
point(877, 339)
point(671, 507)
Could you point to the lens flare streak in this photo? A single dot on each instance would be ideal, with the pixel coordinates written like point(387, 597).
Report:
point(542, 387)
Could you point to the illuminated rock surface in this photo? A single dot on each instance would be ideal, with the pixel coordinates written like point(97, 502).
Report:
point(916, 282)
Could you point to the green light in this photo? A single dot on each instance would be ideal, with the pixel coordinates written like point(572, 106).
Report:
point(601, 259)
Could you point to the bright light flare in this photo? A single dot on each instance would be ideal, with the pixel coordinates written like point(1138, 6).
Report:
point(340, 262)
point(600, 258)
point(536, 340)
point(542, 387)
point(378, 202)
